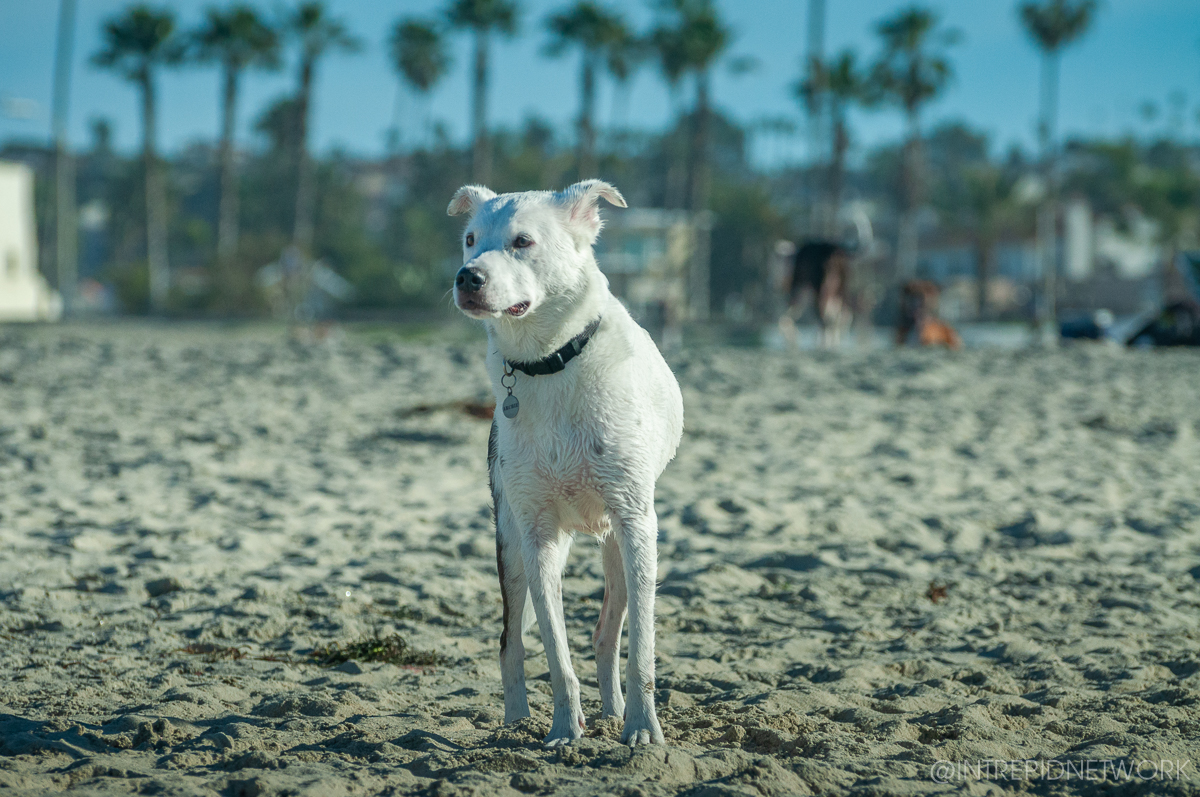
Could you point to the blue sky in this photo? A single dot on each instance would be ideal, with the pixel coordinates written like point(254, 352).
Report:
point(1138, 50)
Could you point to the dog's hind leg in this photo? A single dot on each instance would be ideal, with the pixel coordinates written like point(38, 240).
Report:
point(607, 638)
point(513, 591)
point(543, 556)
point(637, 536)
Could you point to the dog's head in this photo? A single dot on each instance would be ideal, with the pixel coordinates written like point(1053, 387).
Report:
point(522, 251)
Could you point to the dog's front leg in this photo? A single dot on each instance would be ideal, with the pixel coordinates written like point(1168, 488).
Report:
point(637, 538)
point(545, 551)
point(513, 585)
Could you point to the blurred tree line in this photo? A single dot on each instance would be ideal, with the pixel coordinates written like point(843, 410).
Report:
point(223, 210)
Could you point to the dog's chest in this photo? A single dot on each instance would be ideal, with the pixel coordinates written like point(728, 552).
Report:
point(553, 442)
point(551, 456)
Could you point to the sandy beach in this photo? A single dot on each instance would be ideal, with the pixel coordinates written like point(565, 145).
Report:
point(870, 563)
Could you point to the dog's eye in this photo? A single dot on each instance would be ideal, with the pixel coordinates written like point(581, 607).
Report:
point(522, 241)
point(470, 239)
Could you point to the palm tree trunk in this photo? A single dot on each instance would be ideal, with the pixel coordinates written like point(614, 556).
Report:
point(837, 170)
point(156, 200)
point(701, 188)
point(227, 214)
point(481, 156)
point(65, 229)
point(587, 112)
point(618, 110)
point(393, 131)
point(985, 255)
point(1047, 218)
point(906, 244)
point(701, 177)
point(302, 230)
point(817, 107)
point(676, 187)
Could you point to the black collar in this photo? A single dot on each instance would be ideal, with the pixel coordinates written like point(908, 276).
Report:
point(558, 360)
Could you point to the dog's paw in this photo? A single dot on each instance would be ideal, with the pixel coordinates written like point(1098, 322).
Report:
point(552, 742)
point(645, 731)
point(565, 729)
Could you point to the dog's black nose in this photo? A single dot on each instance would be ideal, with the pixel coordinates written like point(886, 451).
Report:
point(470, 279)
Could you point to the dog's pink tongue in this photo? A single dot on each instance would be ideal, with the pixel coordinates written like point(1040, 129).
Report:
point(518, 309)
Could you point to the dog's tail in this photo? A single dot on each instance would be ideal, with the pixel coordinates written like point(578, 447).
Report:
point(528, 616)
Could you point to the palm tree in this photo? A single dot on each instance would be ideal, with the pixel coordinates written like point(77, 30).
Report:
point(1052, 24)
point(844, 85)
point(482, 17)
point(317, 34)
point(594, 30)
point(910, 73)
point(419, 54)
point(813, 98)
point(988, 207)
point(690, 38)
point(623, 57)
point(236, 38)
point(136, 44)
point(667, 43)
point(66, 232)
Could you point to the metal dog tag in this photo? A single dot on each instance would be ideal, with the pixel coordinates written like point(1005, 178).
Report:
point(511, 406)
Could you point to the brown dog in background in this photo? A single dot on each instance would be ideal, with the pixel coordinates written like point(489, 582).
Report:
point(919, 322)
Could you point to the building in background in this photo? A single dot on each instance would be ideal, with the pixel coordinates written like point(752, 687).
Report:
point(1078, 243)
point(651, 258)
point(24, 293)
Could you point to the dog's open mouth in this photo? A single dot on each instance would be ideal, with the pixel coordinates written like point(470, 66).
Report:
point(517, 310)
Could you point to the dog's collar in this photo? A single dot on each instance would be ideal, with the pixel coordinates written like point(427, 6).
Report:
point(558, 360)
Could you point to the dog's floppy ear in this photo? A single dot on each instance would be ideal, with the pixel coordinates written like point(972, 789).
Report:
point(468, 199)
point(582, 201)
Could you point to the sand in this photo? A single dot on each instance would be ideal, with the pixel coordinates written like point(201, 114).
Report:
point(870, 563)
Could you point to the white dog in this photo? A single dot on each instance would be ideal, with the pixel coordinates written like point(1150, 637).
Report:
point(590, 415)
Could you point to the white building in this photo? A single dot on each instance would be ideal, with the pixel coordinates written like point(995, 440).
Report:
point(1078, 240)
point(24, 294)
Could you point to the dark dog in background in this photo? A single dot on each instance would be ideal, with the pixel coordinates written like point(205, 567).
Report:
point(820, 273)
point(919, 322)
